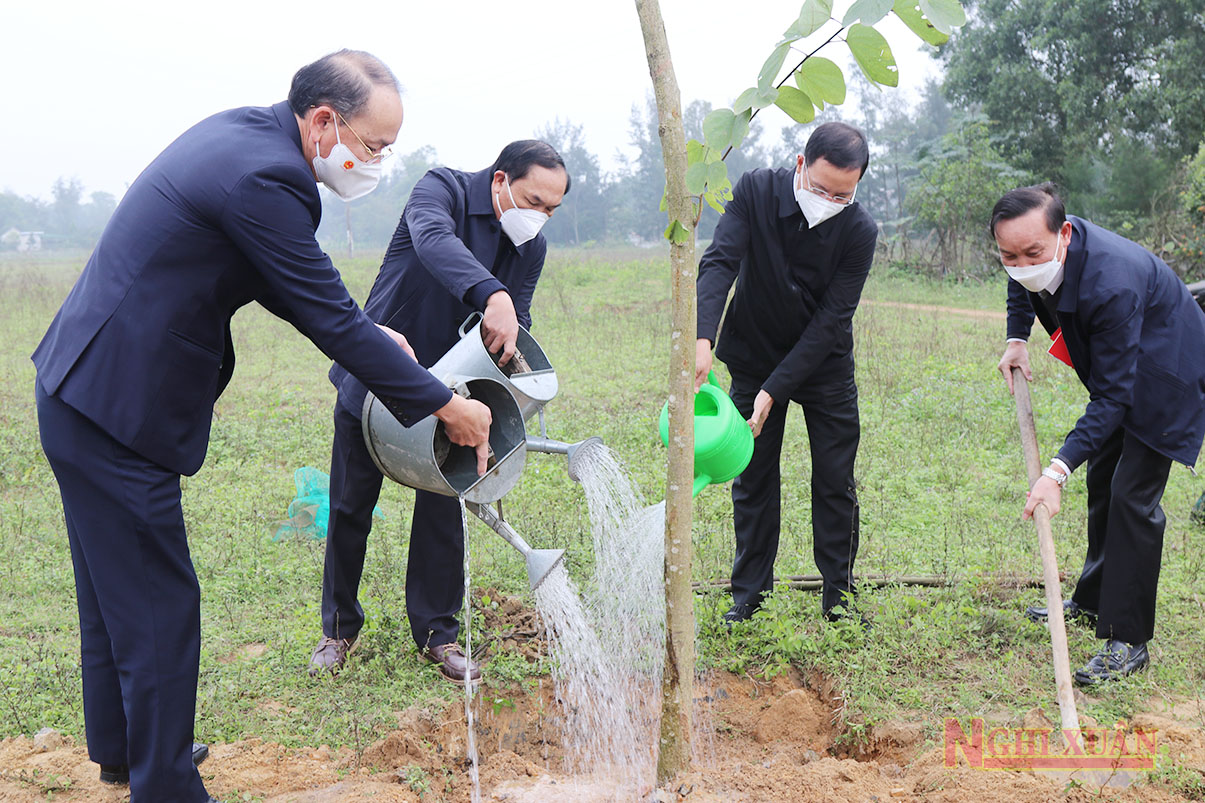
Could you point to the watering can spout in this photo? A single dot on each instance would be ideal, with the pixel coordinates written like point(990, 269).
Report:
point(574, 451)
point(540, 562)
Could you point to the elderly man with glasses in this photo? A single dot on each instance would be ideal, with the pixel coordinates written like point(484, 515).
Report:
point(130, 369)
point(799, 249)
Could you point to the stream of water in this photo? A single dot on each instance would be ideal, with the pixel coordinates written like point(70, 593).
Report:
point(606, 641)
point(471, 743)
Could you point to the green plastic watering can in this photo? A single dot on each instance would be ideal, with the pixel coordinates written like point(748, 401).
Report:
point(723, 441)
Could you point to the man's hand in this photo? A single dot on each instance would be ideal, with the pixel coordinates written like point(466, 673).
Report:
point(500, 326)
point(703, 361)
point(1045, 492)
point(761, 409)
point(1016, 355)
point(400, 339)
point(467, 423)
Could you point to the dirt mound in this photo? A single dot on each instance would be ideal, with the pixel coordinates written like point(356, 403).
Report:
point(776, 741)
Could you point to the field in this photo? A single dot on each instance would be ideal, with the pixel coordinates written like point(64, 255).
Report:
point(941, 486)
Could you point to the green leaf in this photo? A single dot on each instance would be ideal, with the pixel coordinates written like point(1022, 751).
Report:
point(696, 178)
point(873, 54)
point(946, 15)
point(676, 233)
point(717, 175)
point(822, 81)
point(755, 98)
point(695, 151)
point(867, 12)
point(811, 19)
point(740, 127)
point(796, 104)
point(769, 70)
point(909, 11)
point(717, 128)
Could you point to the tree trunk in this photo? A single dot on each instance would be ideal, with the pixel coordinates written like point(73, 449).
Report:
point(677, 684)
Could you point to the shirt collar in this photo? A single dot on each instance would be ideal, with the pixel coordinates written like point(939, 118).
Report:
point(288, 121)
point(481, 200)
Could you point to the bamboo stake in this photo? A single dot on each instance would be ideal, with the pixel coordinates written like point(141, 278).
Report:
point(1050, 568)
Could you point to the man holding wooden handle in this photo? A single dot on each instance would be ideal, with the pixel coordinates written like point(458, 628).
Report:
point(1133, 334)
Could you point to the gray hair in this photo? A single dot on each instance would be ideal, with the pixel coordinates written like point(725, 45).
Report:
point(343, 80)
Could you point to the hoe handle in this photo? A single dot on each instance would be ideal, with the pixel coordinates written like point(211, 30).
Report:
point(1050, 565)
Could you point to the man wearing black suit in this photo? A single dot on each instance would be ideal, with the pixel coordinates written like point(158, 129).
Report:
point(466, 242)
point(799, 248)
point(129, 371)
point(1136, 339)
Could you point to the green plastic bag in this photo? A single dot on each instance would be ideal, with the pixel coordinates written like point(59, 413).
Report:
point(310, 511)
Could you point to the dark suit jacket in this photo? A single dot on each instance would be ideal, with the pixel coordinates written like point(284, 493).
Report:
point(448, 255)
point(224, 216)
point(1136, 338)
point(796, 288)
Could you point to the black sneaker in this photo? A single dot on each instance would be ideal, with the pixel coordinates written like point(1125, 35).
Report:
point(1115, 660)
point(1072, 612)
point(119, 774)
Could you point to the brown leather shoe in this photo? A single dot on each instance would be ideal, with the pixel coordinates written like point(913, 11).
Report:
point(330, 655)
point(453, 664)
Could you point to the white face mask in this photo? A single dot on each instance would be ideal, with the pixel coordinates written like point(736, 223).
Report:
point(344, 174)
point(1036, 278)
point(816, 209)
point(520, 225)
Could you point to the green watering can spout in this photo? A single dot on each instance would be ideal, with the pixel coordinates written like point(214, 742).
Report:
point(723, 442)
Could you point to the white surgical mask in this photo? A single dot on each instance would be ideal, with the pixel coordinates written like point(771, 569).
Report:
point(344, 174)
point(816, 209)
point(1037, 278)
point(520, 225)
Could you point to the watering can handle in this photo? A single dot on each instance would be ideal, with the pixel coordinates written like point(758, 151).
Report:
point(711, 378)
point(470, 322)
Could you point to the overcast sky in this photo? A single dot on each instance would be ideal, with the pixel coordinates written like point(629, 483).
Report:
point(97, 89)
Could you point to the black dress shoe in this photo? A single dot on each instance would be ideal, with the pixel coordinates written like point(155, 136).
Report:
point(739, 612)
point(1072, 612)
point(120, 773)
point(839, 613)
point(1116, 660)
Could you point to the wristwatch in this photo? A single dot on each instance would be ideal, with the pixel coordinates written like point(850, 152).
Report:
point(1056, 475)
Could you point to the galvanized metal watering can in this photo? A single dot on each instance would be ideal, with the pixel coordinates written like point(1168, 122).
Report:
point(421, 456)
point(723, 440)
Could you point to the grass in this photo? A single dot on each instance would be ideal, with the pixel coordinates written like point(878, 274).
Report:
point(941, 485)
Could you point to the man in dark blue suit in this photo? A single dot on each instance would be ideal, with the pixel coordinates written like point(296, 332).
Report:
point(1136, 339)
point(129, 371)
point(466, 242)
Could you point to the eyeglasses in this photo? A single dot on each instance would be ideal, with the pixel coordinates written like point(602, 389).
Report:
point(373, 156)
point(844, 200)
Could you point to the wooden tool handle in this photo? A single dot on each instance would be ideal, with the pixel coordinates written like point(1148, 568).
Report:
point(1050, 564)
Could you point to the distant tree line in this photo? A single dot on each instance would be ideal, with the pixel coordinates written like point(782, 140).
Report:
point(1104, 97)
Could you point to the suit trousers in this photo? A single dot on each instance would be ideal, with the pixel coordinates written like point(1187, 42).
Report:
point(435, 567)
point(830, 410)
point(1126, 480)
point(139, 604)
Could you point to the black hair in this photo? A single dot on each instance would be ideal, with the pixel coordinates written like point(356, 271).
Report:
point(839, 144)
point(343, 80)
point(518, 158)
point(1018, 202)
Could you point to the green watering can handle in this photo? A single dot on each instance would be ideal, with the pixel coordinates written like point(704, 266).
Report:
point(711, 380)
point(701, 482)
